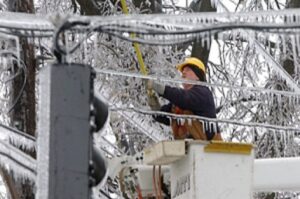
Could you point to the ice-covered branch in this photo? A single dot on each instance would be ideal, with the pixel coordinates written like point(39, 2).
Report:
point(135, 120)
point(277, 67)
point(106, 143)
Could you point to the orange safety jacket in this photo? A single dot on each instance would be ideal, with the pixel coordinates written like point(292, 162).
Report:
point(194, 128)
point(197, 100)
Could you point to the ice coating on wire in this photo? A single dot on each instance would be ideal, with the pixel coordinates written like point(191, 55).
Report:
point(16, 161)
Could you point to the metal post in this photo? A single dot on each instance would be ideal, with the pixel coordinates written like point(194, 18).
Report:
point(64, 139)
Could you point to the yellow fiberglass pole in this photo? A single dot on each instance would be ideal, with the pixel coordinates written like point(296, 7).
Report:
point(135, 44)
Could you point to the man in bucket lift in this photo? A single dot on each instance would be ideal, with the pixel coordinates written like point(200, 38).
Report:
point(191, 100)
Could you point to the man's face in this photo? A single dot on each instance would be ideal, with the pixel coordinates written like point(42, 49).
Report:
point(188, 73)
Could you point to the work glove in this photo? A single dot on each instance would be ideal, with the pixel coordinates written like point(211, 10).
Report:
point(157, 87)
point(153, 102)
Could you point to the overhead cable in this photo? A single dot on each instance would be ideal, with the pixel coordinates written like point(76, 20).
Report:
point(181, 81)
point(22, 164)
point(206, 119)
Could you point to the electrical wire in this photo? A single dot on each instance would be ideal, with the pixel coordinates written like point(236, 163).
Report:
point(214, 28)
point(152, 42)
point(13, 151)
point(25, 135)
point(25, 34)
point(24, 68)
point(194, 33)
point(206, 119)
point(25, 28)
point(65, 26)
point(18, 162)
point(108, 26)
point(4, 53)
point(168, 41)
point(105, 194)
point(22, 87)
point(192, 82)
point(112, 145)
point(250, 124)
point(11, 78)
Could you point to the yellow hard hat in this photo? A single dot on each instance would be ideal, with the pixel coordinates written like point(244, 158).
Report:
point(192, 61)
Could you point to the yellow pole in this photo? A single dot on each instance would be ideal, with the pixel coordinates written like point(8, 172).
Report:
point(135, 45)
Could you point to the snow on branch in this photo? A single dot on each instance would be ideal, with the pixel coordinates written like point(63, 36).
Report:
point(281, 72)
point(21, 164)
point(277, 67)
point(135, 120)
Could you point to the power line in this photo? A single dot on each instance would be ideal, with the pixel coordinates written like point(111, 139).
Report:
point(21, 162)
point(15, 131)
point(213, 28)
point(205, 119)
point(181, 81)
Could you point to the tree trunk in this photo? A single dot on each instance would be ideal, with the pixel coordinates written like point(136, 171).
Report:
point(288, 65)
point(88, 7)
point(199, 51)
point(154, 7)
point(24, 112)
point(294, 4)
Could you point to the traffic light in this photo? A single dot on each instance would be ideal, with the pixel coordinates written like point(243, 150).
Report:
point(98, 166)
point(100, 112)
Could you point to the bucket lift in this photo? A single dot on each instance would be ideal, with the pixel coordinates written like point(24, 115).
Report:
point(201, 169)
point(192, 169)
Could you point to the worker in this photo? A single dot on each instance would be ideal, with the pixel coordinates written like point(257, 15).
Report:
point(191, 100)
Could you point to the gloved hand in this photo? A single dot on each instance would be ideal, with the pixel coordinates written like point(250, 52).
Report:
point(153, 102)
point(157, 87)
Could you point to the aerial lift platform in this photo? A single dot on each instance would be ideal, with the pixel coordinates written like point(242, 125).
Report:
point(200, 169)
point(214, 170)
